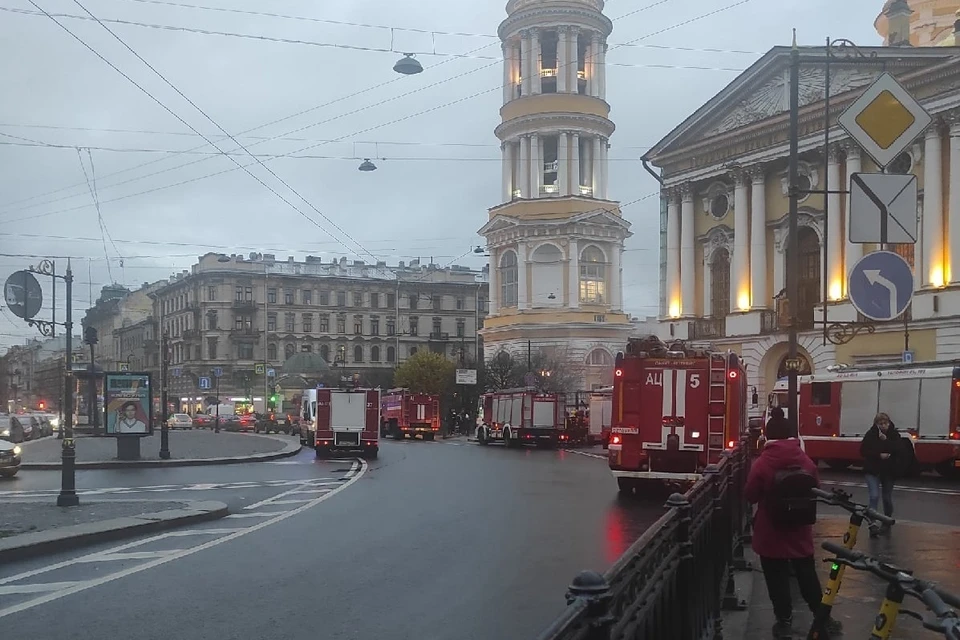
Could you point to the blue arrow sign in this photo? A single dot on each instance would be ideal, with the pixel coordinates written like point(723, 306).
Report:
point(881, 285)
point(203, 382)
point(177, 372)
point(217, 372)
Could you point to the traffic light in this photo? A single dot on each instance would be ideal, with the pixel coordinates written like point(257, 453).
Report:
point(43, 405)
point(273, 401)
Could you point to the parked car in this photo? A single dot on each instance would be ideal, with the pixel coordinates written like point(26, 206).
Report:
point(180, 421)
point(16, 428)
point(202, 421)
point(44, 427)
point(9, 458)
point(267, 422)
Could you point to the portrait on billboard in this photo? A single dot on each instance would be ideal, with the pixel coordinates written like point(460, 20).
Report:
point(128, 404)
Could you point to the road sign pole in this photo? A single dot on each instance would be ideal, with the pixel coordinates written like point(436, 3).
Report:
point(216, 424)
point(793, 260)
point(164, 415)
point(68, 449)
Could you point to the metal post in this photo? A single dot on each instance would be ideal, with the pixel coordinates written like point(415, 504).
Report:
point(266, 340)
point(216, 424)
point(164, 366)
point(826, 191)
point(68, 452)
point(793, 284)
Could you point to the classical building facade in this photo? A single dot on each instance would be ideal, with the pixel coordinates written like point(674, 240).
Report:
point(116, 308)
point(931, 22)
point(724, 172)
point(556, 240)
point(247, 315)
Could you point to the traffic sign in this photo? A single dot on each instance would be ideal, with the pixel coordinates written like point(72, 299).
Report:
point(124, 366)
point(217, 372)
point(203, 382)
point(884, 120)
point(271, 373)
point(883, 208)
point(23, 294)
point(881, 285)
point(908, 357)
point(258, 369)
point(177, 372)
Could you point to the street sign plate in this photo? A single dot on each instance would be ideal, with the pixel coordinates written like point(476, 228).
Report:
point(881, 285)
point(883, 208)
point(203, 382)
point(124, 366)
point(884, 120)
point(908, 357)
point(217, 372)
point(23, 294)
point(177, 372)
point(258, 369)
point(271, 373)
point(466, 376)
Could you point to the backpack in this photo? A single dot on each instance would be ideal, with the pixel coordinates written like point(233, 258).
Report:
point(791, 504)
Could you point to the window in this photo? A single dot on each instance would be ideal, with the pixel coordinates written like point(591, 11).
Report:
point(820, 394)
point(288, 322)
point(245, 351)
point(412, 351)
point(375, 353)
point(375, 300)
point(211, 294)
point(272, 295)
point(357, 299)
point(374, 325)
point(248, 322)
point(271, 322)
point(391, 300)
point(271, 352)
point(288, 296)
point(212, 320)
point(358, 325)
point(324, 298)
point(306, 296)
point(720, 205)
point(437, 303)
point(593, 270)
point(461, 327)
point(414, 326)
point(239, 295)
point(391, 327)
point(809, 275)
point(413, 302)
point(324, 323)
point(238, 322)
point(308, 323)
point(461, 303)
point(508, 279)
point(341, 324)
point(248, 294)
point(358, 353)
point(341, 298)
point(437, 327)
point(325, 352)
point(391, 354)
point(599, 358)
point(306, 348)
point(720, 284)
point(288, 350)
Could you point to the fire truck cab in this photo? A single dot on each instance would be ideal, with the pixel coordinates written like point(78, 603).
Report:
point(676, 409)
point(408, 414)
point(522, 416)
point(341, 421)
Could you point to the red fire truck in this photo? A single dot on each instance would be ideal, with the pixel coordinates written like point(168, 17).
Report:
point(341, 420)
point(601, 415)
point(522, 416)
point(675, 410)
point(405, 413)
point(836, 409)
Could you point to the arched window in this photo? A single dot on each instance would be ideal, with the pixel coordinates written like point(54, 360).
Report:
point(358, 353)
point(508, 279)
point(413, 351)
point(271, 352)
point(289, 349)
point(593, 276)
point(599, 358)
point(325, 352)
point(808, 273)
point(391, 354)
point(720, 284)
point(547, 264)
point(374, 354)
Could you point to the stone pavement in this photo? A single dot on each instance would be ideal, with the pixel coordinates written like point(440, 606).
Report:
point(932, 551)
point(31, 516)
point(192, 445)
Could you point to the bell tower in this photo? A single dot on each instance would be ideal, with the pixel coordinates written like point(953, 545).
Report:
point(556, 238)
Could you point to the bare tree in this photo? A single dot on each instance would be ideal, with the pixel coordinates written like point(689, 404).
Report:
point(503, 372)
point(557, 371)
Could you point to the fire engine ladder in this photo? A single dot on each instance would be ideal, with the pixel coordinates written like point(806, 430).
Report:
point(717, 409)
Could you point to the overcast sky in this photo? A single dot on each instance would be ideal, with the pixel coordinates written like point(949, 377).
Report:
point(166, 196)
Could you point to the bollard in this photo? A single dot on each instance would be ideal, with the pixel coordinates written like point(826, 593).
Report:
point(593, 589)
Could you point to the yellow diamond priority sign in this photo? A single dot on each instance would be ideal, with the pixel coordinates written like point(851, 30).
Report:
point(885, 120)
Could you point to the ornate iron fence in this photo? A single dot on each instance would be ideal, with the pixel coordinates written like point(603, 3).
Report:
point(673, 582)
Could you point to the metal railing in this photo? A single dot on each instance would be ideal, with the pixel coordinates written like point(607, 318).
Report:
point(675, 580)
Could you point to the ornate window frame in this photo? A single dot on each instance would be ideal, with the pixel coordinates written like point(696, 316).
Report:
point(716, 189)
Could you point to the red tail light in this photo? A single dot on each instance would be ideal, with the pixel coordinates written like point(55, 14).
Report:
point(730, 444)
point(615, 439)
point(732, 374)
point(619, 372)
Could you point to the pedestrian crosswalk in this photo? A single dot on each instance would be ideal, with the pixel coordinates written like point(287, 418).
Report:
point(162, 488)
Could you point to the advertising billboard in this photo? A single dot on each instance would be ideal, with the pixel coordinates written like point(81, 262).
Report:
point(128, 404)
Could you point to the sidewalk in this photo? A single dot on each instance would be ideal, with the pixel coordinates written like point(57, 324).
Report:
point(186, 448)
point(932, 551)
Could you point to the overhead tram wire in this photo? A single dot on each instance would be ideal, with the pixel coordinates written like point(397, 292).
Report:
point(302, 112)
point(366, 130)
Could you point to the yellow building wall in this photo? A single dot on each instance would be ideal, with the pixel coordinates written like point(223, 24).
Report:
point(923, 343)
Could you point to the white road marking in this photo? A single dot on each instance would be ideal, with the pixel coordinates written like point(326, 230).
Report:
point(357, 470)
point(292, 501)
point(932, 491)
point(587, 454)
point(298, 492)
point(262, 514)
point(130, 555)
point(43, 493)
point(37, 588)
point(201, 532)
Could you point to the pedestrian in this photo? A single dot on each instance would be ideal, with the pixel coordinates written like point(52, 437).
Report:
point(882, 452)
point(779, 484)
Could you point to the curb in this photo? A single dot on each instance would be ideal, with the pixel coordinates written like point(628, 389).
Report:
point(292, 449)
point(29, 545)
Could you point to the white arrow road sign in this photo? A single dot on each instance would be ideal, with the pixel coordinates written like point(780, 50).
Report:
point(874, 277)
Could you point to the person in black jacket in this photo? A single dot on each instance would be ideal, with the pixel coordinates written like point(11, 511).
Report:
point(880, 449)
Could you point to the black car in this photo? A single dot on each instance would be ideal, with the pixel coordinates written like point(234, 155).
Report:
point(268, 422)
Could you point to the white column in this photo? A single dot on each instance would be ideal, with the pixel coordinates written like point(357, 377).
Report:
point(592, 71)
point(494, 282)
point(933, 269)
point(573, 79)
point(707, 283)
point(616, 288)
point(739, 278)
point(506, 150)
point(779, 262)
point(522, 264)
point(563, 59)
point(953, 220)
point(535, 61)
point(536, 165)
point(523, 169)
point(597, 168)
point(507, 72)
point(852, 252)
point(673, 254)
point(575, 172)
point(605, 168)
point(688, 269)
point(563, 163)
point(573, 275)
point(759, 298)
point(525, 66)
point(601, 69)
point(835, 271)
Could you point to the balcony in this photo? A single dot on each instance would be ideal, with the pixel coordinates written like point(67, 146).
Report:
point(707, 328)
point(769, 322)
point(245, 335)
point(439, 336)
point(245, 305)
point(191, 334)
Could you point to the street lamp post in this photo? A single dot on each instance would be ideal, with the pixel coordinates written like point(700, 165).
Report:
point(164, 384)
point(90, 337)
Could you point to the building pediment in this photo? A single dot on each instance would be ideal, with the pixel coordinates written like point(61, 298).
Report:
point(760, 95)
point(599, 217)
